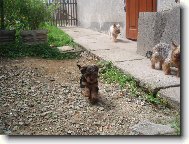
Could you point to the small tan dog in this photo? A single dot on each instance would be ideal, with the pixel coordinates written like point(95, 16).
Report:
point(172, 60)
point(114, 31)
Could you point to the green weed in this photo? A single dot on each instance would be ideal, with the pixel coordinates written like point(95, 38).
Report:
point(16, 50)
point(176, 124)
point(111, 74)
point(57, 37)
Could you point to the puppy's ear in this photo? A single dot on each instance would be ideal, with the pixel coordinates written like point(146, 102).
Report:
point(114, 25)
point(96, 68)
point(82, 69)
point(79, 66)
point(118, 26)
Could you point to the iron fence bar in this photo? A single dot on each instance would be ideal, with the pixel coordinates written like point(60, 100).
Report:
point(76, 12)
point(2, 15)
point(71, 12)
point(61, 13)
point(68, 11)
point(66, 14)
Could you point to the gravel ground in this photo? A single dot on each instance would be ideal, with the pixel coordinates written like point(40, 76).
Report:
point(42, 97)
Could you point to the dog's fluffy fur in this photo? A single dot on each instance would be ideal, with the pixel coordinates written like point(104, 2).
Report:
point(167, 56)
point(172, 60)
point(114, 31)
point(89, 82)
point(160, 53)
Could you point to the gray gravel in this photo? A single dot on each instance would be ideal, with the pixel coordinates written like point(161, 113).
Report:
point(42, 97)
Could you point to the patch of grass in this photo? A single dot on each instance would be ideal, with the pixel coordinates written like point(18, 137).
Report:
point(111, 74)
point(58, 37)
point(176, 124)
point(15, 50)
point(153, 99)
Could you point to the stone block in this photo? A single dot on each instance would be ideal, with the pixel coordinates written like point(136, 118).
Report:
point(34, 36)
point(172, 28)
point(172, 96)
point(149, 128)
point(156, 27)
point(7, 36)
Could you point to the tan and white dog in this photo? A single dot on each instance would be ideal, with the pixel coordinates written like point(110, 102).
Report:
point(114, 32)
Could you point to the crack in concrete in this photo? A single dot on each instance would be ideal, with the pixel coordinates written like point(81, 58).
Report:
point(156, 90)
point(130, 60)
point(99, 49)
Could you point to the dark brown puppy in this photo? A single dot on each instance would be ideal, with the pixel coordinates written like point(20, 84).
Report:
point(89, 82)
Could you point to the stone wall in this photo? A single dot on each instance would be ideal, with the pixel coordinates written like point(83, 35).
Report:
point(7, 36)
point(163, 5)
point(99, 15)
point(32, 37)
point(155, 27)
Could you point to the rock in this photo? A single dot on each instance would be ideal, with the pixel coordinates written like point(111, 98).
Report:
point(101, 108)
point(148, 128)
point(45, 113)
point(21, 123)
point(15, 128)
point(7, 132)
point(69, 132)
point(65, 48)
point(52, 79)
point(2, 77)
point(100, 129)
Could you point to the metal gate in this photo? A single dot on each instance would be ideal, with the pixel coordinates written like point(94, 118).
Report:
point(66, 14)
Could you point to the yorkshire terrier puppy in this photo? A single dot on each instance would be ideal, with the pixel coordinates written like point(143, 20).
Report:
point(114, 31)
point(173, 59)
point(159, 54)
point(89, 82)
point(166, 55)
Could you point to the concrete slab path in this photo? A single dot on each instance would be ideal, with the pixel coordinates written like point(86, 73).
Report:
point(123, 55)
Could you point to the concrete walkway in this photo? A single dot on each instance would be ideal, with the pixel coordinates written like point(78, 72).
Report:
point(123, 55)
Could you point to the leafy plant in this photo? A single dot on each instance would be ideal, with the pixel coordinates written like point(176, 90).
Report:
point(111, 74)
point(18, 49)
point(27, 14)
point(57, 37)
point(153, 99)
point(15, 50)
point(176, 124)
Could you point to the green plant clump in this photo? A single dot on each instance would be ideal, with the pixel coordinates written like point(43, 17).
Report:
point(27, 14)
point(16, 50)
point(111, 74)
point(57, 37)
point(176, 124)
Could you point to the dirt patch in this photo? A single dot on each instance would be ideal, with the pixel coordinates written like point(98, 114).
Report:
point(42, 97)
